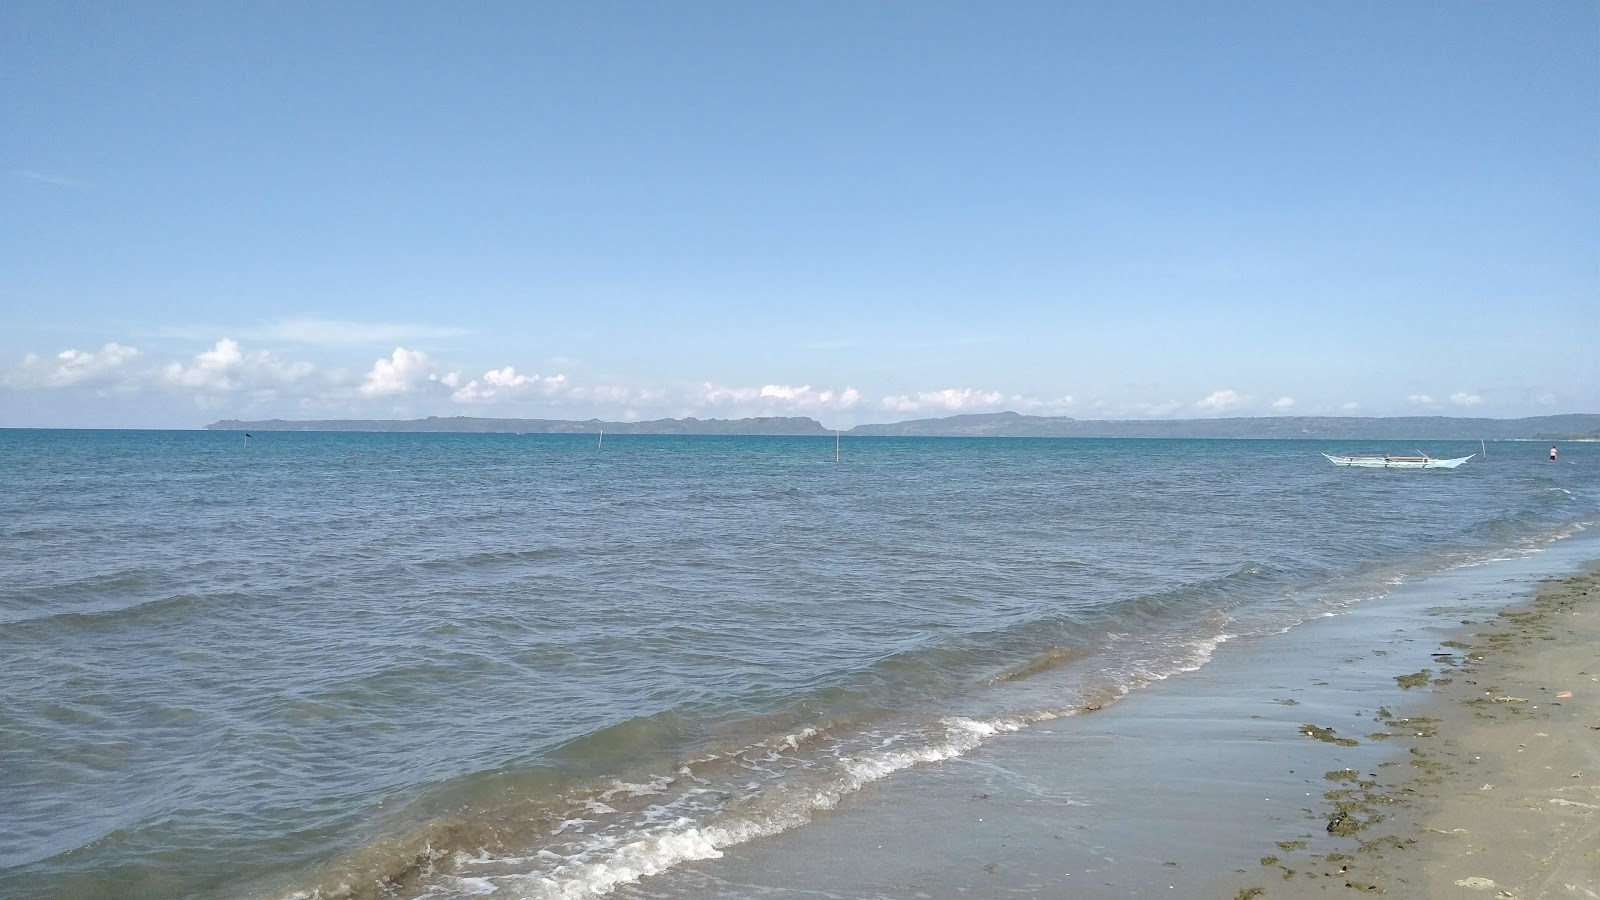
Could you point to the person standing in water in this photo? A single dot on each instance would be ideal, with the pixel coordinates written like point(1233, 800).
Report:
point(1552, 454)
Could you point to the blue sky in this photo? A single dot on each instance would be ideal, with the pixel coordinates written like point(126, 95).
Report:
point(861, 212)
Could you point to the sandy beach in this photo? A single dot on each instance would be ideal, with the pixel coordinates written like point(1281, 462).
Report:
point(1499, 791)
point(1419, 745)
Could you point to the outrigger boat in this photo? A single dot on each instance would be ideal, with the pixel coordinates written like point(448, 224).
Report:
point(1422, 461)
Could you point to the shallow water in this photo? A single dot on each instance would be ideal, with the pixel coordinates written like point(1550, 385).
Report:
point(433, 664)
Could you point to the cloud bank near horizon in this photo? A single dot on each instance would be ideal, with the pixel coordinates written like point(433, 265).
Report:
point(408, 381)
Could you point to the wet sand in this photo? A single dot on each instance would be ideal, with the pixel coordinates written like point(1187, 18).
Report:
point(1499, 794)
point(1347, 756)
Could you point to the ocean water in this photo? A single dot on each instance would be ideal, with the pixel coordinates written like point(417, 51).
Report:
point(330, 665)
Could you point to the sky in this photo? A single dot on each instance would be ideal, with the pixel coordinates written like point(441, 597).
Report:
point(858, 212)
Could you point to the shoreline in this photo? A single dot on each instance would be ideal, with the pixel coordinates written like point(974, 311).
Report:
point(1217, 783)
point(1499, 795)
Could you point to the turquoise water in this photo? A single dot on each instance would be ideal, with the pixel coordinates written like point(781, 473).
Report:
point(431, 665)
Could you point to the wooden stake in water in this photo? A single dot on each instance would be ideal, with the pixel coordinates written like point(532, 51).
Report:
point(836, 446)
point(1484, 447)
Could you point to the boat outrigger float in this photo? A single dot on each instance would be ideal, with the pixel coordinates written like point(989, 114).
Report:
point(1423, 461)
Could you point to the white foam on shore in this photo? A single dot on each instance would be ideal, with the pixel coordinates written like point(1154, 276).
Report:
point(657, 785)
point(792, 741)
point(1204, 649)
point(600, 867)
point(690, 822)
point(608, 862)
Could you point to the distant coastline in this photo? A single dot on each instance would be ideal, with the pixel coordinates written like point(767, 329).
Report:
point(1576, 426)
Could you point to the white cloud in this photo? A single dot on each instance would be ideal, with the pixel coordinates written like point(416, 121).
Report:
point(228, 367)
point(1463, 398)
point(804, 397)
point(1283, 403)
point(1352, 406)
point(508, 378)
point(778, 397)
point(500, 384)
point(716, 395)
point(785, 392)
point(402, 372)
point(72, 367)
point(1421, 400)
point(49, 178)
point(951, 399)
point(1220, 401)
point(1020, 402)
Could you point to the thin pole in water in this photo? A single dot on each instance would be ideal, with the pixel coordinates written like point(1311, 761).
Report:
point(1484, 447)
point(602, 441)
point(247, 440)
point(836, 446)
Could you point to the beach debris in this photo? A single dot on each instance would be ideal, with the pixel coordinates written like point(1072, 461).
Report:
point(1562, 695)
point(1560, 802)
point(1507, 698)
point(1415, 679)
point(1476, 883)
point(1421, 726)
point(1326, 735)
point(1344, 824)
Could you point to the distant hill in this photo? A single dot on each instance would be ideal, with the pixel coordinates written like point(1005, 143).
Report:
point(1004, 424)
point(1586, 436)
point(464, 424)
point(1437, 428)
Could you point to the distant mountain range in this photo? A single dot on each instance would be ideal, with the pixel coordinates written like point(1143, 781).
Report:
point(466, 425)
point(1438, 428)
point(1003, 424)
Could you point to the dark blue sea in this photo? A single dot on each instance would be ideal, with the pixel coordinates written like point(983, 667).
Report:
point(393, 665)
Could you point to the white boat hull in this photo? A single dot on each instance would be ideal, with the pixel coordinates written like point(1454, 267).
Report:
point(1397, 462)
